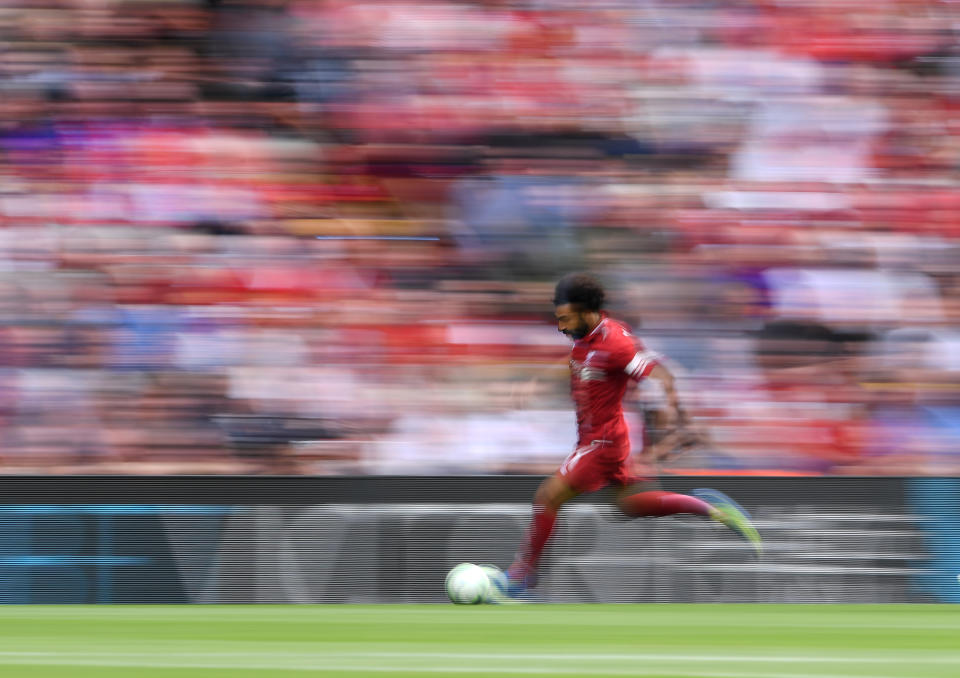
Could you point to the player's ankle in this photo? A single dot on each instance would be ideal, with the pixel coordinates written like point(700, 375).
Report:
point(521, 575)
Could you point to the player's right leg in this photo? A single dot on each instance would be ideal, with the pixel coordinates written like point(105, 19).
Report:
point(552, 494)
point(587, 469)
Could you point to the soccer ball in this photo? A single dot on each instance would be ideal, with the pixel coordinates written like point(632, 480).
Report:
point(497, 584)
point(467, 584)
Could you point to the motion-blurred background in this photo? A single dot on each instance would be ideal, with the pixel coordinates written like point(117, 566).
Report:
point(321, 236)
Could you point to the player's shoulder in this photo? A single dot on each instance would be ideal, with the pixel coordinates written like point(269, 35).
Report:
point(619, 325)
point(617, 333)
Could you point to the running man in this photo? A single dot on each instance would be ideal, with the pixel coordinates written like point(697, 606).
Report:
point(606, 357)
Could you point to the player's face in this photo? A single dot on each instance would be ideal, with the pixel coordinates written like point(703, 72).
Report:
point(571, 322)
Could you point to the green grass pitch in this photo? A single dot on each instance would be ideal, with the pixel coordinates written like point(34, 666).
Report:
point(362, 641)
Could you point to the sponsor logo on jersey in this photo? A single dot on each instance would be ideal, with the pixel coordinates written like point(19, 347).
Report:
point(585, 372)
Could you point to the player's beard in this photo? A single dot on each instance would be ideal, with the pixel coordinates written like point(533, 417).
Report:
point(580, 332)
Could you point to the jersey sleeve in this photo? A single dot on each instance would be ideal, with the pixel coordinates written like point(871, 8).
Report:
point(635, 360)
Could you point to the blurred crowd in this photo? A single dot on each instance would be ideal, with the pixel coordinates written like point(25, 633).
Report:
point(321, 236)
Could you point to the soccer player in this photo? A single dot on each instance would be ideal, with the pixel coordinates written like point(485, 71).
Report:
point(605, 358)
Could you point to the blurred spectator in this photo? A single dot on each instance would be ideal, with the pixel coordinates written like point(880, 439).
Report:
point(319, 236)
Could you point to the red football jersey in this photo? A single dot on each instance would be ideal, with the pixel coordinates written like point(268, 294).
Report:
point(601, 366)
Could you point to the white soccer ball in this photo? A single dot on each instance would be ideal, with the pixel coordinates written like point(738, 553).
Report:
point(497, 584)
point(467, 584)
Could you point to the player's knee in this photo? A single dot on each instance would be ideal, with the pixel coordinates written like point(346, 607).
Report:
point(546, 499)
point(551, 495)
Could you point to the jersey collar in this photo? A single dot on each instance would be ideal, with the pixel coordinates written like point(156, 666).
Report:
point(596, 330)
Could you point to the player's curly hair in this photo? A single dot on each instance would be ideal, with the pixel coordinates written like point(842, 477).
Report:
point(581, 290)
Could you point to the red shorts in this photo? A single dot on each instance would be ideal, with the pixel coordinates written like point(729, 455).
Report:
point(597, 464)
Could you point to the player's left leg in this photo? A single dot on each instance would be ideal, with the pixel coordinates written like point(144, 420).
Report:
point(640, 499)
point(728, 512)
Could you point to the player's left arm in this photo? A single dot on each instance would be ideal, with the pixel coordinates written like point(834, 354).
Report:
point(673, 430)
point(672, 413)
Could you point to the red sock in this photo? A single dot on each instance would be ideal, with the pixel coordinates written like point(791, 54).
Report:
point(659, 503)
point(541, 527)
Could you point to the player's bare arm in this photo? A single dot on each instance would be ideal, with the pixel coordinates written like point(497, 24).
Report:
point(676, 432)
point(669, 385)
